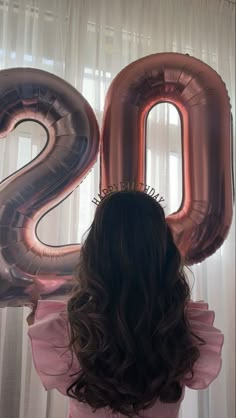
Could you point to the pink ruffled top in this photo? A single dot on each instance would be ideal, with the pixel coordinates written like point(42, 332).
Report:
point(55, 364)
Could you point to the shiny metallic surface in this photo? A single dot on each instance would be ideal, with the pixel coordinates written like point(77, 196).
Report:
point(202, 222)
point(28, 267)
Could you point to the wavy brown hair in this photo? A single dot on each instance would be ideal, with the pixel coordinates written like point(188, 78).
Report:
point(127, 312)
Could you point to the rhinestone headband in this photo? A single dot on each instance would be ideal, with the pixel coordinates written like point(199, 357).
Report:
point(128, 185)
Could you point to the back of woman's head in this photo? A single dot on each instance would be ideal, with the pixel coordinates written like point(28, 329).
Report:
point(128, 327)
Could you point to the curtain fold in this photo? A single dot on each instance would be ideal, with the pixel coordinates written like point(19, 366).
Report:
point(87, 42)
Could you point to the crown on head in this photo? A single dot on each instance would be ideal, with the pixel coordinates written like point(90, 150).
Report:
point(128, 185)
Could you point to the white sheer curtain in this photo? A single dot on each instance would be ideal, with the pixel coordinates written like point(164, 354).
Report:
point(87, 42)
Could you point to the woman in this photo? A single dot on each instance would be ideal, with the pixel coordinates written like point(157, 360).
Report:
point(129, 339)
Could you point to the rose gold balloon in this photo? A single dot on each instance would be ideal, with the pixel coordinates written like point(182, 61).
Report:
point(27, 266)
point(202, 222)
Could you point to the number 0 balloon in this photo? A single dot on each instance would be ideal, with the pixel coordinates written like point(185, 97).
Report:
point(199, 94)
point(27, 266)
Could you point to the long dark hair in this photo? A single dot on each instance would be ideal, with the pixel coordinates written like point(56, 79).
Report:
point(127, 313)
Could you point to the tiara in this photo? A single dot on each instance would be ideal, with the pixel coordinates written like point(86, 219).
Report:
point(128, 185)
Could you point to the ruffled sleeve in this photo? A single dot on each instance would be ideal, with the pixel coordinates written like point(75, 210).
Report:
point(208, 366)
point(49, 337)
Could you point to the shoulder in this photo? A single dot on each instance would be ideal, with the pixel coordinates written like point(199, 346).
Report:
point(54, 361)
point(208, 366)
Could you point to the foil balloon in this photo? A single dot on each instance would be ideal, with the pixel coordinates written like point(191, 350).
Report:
point(203, 220)
point(28, 267)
